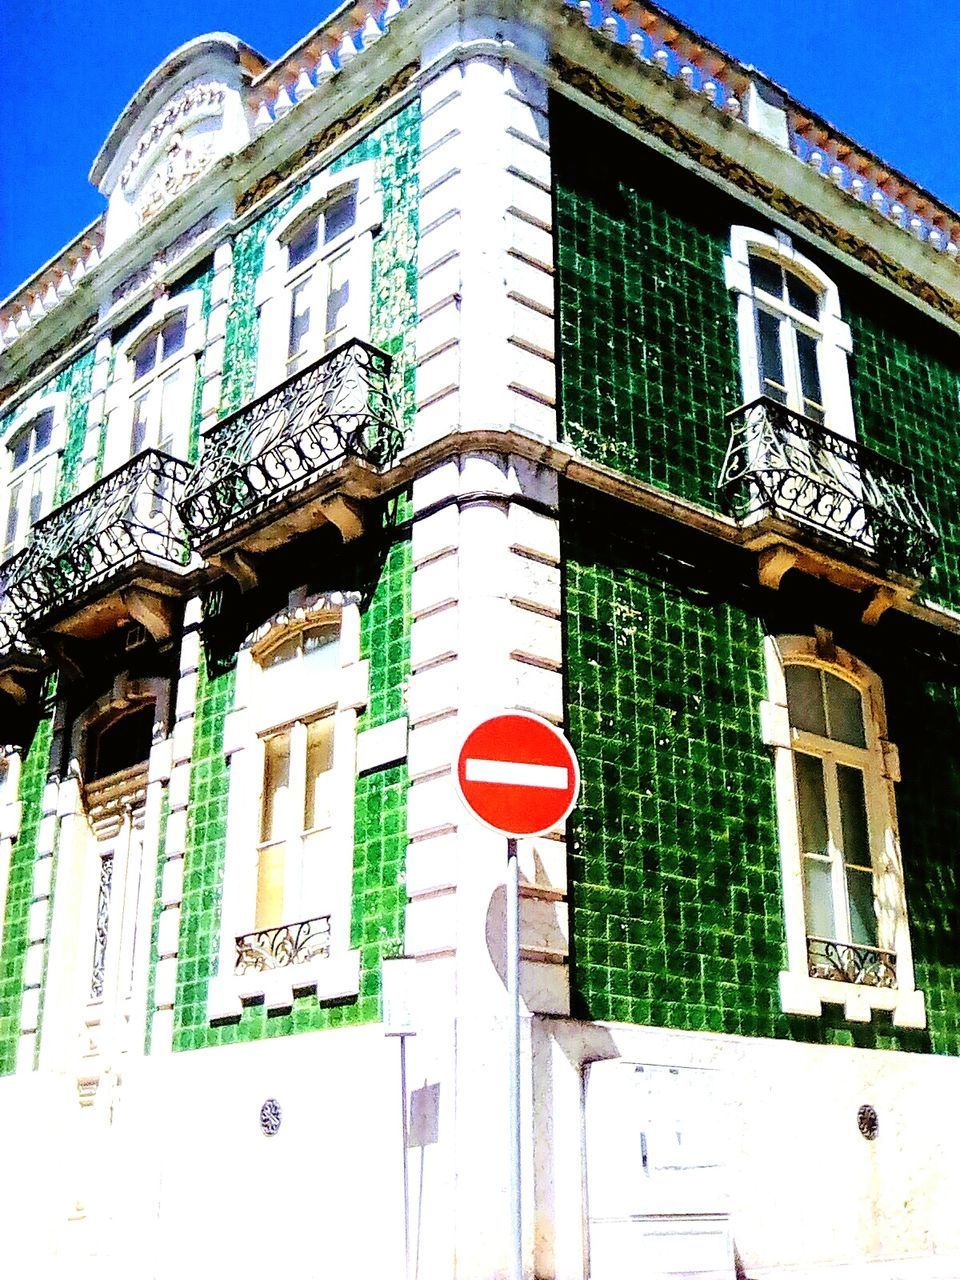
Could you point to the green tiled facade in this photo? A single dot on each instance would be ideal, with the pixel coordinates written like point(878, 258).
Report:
point(380, 803)
point(677, 916)
point(648, 344)
point(20, 894)
point(380, 841)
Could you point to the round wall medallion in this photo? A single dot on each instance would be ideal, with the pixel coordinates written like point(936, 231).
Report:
point(270, 1117)
point(867, 1121)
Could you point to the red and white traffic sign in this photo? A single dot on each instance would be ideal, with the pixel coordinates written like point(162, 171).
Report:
point(518, 774)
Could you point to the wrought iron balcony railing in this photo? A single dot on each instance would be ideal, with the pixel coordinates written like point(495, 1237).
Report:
point(127, 518)
point(287, 944)
point(851, 962)
point(13, 643)
point(276, 446)
point(783, 464)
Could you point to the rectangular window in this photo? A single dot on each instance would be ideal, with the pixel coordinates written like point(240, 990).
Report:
point(295, 824)
point(299, 324)
point(338, 297)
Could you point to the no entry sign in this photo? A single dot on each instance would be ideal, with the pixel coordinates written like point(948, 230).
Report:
point(518, 774)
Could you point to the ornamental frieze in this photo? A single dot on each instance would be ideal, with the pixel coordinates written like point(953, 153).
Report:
point(708, 157)
point(196, 103)
point(183, 164)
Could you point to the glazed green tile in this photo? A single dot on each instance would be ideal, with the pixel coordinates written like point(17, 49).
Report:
point(19, 894)
point(674, 868)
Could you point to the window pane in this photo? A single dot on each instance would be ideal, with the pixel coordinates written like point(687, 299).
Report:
point(338, 295)
point(766, 275)
point(805, 699)
point(282, 652)
point(138, 429)
point(853, 816)
point(299, 318)
point(36, 495)
point(339, 217)
point(271, 873)
point(844, 711)
point(174, 335)
point(802, 296)
point(173, 408)
point(818, 898)
point(321, 648)
point(43, 431)
point(276, 786)
point(145, 356)
point(13, 515)
point(812, 804)
point(319, 797)
point(771, 356)
point(20, 449)
point(809, 372)
point(302, 245)
point(863, 915)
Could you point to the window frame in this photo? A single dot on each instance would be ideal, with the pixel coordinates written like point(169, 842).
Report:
point(49, 459)
point(278, 280)
point(125, 391)
point(834, 341)
point(799, 992)
point(261, 711)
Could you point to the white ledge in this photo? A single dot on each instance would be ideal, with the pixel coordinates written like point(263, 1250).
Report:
point(333, 977)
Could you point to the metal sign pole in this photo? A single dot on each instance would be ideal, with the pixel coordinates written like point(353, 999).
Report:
point(513, 1002)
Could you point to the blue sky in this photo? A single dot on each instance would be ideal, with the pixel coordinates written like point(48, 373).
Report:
point(885, 72)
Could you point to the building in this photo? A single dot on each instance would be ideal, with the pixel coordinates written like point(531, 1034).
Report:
point(475, 356)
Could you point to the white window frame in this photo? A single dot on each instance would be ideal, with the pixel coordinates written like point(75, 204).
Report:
point(49, 459)
point(124, 391)
point(799, 993)
point(274, 291)
point(834, 341)
point(260, 709)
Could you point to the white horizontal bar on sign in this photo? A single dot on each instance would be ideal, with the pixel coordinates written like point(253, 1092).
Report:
point(510, 773)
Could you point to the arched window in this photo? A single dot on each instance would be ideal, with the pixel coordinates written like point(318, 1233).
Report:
point(120, 741)
point(297, 799)
point(793, 342)
point(33, 449)
point(292, 744)
point(847, 934)
point(150, 400)
point(314, 292)
point(162, 386)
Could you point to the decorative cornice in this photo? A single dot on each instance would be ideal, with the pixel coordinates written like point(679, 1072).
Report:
point(195, 103)
point(710, 158)
point(316, 146)
point(658, 39)
point(346, 34)
point(53, 283)
point(73, 339)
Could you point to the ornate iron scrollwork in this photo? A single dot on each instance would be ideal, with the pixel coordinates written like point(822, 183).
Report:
point(128, 516)
point(339, 407)
point(868, 1122)
point(102, 928)
point(271, 1117)
point(12, 639)
point(784, 464)
point(285, 945)
point(851, 962)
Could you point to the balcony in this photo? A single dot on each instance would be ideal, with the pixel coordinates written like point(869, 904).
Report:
point(20, 661)
point(865, 966)
point(285, 945)
point(809, 499)
point(115, 553)
point(304, 454)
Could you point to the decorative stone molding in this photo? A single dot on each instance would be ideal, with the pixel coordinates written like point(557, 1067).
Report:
point(196, 103)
